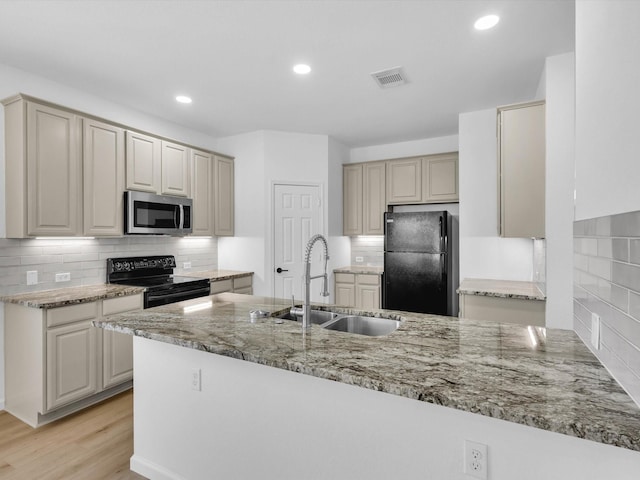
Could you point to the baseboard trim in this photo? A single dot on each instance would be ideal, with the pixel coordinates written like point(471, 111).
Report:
point(1, 404)
point(150, 469)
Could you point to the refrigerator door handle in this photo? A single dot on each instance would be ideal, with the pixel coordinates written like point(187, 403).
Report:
point(442, 240)
point(443, 267)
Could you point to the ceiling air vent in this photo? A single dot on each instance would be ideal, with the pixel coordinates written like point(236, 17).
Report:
point(392, 77)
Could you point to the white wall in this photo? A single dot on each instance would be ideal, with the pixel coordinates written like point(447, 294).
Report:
point(559, 185)
point(607, 106)
point(483, 254)
point(261, 160)
point(425, 146)
point(16, 254)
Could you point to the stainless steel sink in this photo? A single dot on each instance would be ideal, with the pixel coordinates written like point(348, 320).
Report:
point(318, 317)
point(371, 326)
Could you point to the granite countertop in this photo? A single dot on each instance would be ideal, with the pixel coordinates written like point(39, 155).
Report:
point(362, 269)
point(501, 288)
point(218, 274)
point(71, 295)
point(541, 378)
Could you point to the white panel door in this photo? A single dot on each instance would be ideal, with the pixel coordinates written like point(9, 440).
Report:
point(297, 217)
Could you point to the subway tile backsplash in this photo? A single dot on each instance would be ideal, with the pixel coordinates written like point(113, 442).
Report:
point(85, 259)
point(607, 282)
point(370, 248)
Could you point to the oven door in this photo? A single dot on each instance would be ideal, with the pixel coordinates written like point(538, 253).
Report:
point(175, 294)
point(149, 214)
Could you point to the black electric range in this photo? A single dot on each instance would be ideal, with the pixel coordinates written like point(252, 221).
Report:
point(155, 274)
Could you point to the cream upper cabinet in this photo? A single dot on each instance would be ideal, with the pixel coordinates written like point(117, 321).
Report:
point(224, 196)
point(352, 200)
point(202, 192)
point(143, 156)
point(440, 178)
point(47, 201)
point(404, 181)
point(521, 158)
point(175, 170)
point(104, 177)
point(374, 202)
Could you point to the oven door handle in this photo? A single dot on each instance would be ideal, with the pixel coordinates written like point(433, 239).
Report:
point(203, 290)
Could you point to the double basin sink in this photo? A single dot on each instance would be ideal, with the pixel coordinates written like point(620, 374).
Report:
point(358, 324)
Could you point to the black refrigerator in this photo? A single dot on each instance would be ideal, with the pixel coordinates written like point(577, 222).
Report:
point(419, 265)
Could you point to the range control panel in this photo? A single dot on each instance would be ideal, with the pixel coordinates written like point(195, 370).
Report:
point(140, 264)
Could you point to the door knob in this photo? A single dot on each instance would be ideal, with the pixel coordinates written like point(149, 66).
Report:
point(280, 270)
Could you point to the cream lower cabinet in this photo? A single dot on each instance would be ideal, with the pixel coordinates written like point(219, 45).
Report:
point(357, 290)
point(520, 311)
point(57, 362)
point(243, 285)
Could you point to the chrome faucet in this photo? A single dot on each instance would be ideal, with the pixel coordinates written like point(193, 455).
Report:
point(306, 308)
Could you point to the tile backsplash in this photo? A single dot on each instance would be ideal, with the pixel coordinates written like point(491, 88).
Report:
point(370, 248)
point(607, 283)
point(85, 259)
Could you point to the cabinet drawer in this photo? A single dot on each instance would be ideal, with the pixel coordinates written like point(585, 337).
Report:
point(242, 282)
point(364, 279)
point(220, 286)
point(71, 313)
point(345, 278)
point(244, 290)
point(112, 306)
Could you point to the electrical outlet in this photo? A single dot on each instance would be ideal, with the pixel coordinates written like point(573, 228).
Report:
point(63, 277)
point(475, 459)
point(32, 277)
point(595, 330)
point(359, 259)
point(186, 265)
point(196, 379)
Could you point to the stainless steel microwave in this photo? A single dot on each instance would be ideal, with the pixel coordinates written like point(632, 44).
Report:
point(149, 214)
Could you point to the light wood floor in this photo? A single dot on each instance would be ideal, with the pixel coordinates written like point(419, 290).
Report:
point(93, 444)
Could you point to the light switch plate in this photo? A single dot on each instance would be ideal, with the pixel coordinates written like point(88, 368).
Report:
point(595, 330)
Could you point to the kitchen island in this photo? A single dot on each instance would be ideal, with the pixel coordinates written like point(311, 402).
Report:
point(218, 395)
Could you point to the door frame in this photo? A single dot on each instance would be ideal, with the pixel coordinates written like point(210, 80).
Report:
point(272, 218)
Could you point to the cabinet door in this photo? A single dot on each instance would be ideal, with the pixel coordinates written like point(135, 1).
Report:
point(143, 162)
point(440, 178)
point(117, 348)
point(367, 297)
point(202, 192)
point(175, 170)
point(103, 166)
point(404, 181)
point(71, 363)
point(53, 172)
point(522, 170)
point(345, 295)
point(117, 358)
point(224, 197)
point(352, 200)
point(374, 202)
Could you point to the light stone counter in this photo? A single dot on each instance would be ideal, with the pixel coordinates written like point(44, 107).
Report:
point(486, 368)
point(71, 295)
point(359, 269)
point(215, 275)
point(501, 288)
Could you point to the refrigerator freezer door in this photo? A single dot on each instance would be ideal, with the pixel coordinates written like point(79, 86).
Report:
point(415, 282)
point(415, 232)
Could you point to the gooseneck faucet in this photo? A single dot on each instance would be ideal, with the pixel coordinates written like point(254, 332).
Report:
point(306, 308)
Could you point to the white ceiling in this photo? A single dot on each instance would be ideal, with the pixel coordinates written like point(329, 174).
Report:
point(235, 58)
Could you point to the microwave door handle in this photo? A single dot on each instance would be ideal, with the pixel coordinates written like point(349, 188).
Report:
point(181, 224)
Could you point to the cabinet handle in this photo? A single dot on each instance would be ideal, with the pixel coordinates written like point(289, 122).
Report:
point(280, 270)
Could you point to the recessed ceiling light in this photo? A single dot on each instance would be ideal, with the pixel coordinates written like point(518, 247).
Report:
point(183, 99)
point(302, 69)
point(486, 22)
